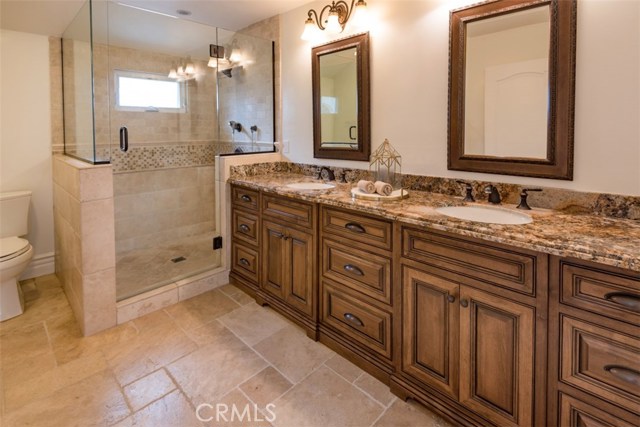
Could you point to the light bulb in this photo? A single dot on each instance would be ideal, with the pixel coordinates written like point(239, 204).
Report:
point(180, 71)
point(213, 63)
point(173, 74)
point(333, 23)
point(310, 30)
point(189, 69)
point(360, 14)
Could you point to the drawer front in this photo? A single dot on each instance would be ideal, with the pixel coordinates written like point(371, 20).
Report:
point(575, 413)
point(601, 361)
point(358, 270)
point(291, 211)
point(499, 266)
point(244, 261)
point(352, 226)
point(353, 317)
point(244, 226)
point(599, 291)
point(245, 197)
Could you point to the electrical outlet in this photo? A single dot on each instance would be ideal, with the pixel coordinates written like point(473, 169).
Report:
point(285, 148)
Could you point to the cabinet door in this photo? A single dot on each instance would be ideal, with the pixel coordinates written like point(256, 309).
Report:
point(496, 358)
point(274, 259)
point(430, 330)
point(299, 264)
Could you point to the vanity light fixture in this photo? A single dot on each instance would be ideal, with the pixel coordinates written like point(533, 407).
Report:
point(338, 13)
point(184, 71)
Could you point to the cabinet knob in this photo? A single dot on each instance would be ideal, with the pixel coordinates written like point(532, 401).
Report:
point(353, 319)
point(464, 303)
point(244, 228)
point(451, 298)
point(628, 375)
point(353, 269)
point(625, 299)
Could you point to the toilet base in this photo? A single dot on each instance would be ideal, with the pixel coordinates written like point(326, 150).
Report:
point(11, 299)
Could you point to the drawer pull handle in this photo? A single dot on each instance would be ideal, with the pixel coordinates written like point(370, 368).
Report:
point(464, 303)
point(244, 262)
point(625, 374)
point(244, 228)
point(246, 198)
point(355, 227)
point(353, 269)
point(353, 319)
point(451, 298)
point(626, 300)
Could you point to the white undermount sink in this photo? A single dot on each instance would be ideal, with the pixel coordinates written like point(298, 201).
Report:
point(309, 186)
point(486, 214)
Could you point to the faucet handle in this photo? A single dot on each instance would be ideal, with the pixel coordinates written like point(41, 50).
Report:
point(469, 195)
point(523, 198)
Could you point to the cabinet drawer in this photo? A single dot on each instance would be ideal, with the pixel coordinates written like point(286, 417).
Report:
point(575, 413)
point(291, 211)
point(488, 263)
point(365, 323)
point(359, 270)
point(600, 291)
point(244, 261)
point(244, 226)
point(601, 361)
point(352, 226)
point(245, 197)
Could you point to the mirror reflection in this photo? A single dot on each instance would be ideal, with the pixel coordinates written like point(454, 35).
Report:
point(339, 99)
point(507, 85)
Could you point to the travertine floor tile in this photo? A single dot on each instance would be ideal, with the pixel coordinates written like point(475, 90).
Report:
point(409, 414)
point(253, 323)
point(295, 355)
point(266, 386)
point(376, 389)
point(97, 400)
point(346, 369)
point(236, 294)
point(202, 309)
point(213, 370)
point(234, 410)
point(325, 399)
point(152, 387)
point(173, 410)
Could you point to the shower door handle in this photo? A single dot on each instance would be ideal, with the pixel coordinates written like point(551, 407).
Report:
point(351, 137)
point(124, 139)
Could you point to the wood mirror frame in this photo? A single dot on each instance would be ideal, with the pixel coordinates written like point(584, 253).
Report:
point(560, 118)
point(363, 150)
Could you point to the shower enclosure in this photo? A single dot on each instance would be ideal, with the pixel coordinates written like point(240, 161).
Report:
point(159, 98)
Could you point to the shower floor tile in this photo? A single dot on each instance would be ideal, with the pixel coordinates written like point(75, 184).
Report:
point(141, 270)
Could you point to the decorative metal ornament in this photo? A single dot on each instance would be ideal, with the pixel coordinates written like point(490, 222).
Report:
point(386, 165)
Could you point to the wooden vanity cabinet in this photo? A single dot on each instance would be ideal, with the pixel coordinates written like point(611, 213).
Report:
point(594, 345)
point(245, 239)
point(473, 330)
point(288, 277)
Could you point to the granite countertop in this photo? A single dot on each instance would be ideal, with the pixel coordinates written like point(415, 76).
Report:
point(609, 241)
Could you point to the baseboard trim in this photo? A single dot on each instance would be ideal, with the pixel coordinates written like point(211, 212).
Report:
point(40, 265)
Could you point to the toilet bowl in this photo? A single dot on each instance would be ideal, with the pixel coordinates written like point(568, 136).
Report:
point(15, 252)
point(15, 255)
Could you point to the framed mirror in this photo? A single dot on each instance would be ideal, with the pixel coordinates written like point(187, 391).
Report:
point(340, 75)
point(511, 88)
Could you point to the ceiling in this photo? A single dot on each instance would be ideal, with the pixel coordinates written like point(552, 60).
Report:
point(51, 17)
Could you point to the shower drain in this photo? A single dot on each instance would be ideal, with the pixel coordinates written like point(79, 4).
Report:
point(178, 259)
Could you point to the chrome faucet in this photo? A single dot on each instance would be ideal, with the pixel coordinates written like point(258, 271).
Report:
point(494, 195)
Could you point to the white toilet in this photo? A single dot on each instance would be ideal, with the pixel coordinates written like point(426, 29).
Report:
point(15, 253)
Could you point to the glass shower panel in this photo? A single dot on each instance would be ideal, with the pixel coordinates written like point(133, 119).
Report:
point(246, 93)
point(78, 44)
point(162, 91)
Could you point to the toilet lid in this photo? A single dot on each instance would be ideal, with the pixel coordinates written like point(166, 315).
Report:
point(12, 246)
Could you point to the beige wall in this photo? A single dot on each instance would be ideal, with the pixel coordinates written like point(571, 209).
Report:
point(409, 95)
point(25, 136)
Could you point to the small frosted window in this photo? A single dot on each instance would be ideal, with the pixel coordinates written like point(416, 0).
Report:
point(149, 92)
point(328, 105)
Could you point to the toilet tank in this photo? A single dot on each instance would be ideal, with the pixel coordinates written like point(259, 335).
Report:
point(14, 213)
